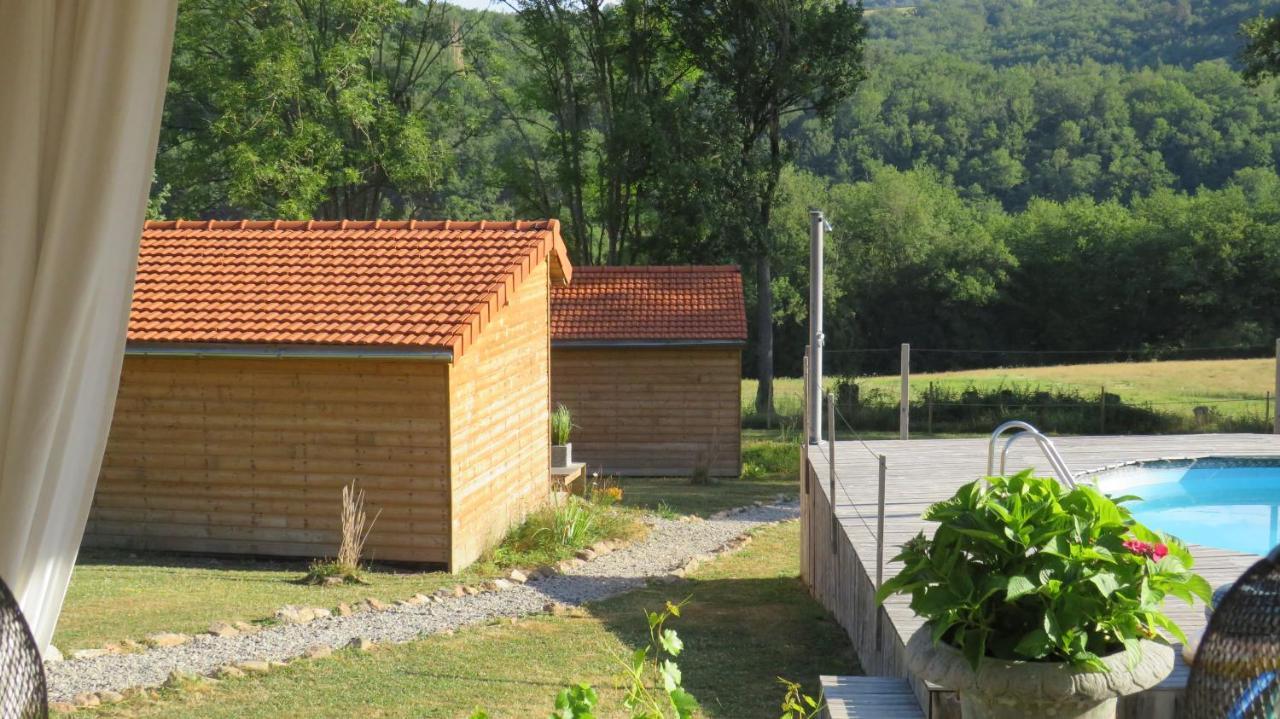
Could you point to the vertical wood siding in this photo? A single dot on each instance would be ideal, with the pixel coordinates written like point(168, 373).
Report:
point(652, 411)
point(499, 414)
point(249, 456)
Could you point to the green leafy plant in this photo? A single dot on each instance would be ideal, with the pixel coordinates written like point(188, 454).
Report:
point(561, 424)
point(796, 704)
point(1021, 568)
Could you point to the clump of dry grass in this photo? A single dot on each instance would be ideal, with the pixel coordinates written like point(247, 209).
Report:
point(356, 526)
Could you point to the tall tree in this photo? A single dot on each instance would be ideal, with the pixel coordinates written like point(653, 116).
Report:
point(761, 62)
point(1261, 54)
point(302, 108)
point(608, 78)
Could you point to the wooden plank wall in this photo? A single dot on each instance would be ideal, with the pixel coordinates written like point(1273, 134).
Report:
point(248, 456)
point(838, 579)
point(652, 411)
point(499, 414)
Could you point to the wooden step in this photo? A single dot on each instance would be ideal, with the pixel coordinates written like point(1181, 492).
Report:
point(869, 698)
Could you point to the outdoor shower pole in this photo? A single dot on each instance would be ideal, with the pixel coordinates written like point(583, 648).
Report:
point(904, 400)
point(816, 227)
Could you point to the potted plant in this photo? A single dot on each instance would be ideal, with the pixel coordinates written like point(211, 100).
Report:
point(1041, 600)
point(561, 426)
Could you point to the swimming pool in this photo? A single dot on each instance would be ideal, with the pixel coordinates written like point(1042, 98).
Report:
point(1225, 502)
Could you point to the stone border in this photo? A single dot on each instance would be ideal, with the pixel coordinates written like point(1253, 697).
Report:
point(291, 614)
point(302, 614)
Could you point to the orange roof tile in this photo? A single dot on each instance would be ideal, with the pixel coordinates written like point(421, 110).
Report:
point(410, 284)
point(650, 304)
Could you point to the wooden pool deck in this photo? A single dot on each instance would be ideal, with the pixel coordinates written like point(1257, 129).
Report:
point(838, 559)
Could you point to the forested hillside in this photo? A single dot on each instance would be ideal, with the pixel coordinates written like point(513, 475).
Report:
point(1131, 33)
point(1060, 174)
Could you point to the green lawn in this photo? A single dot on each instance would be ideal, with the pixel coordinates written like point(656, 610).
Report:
point(770, 468)
point(113, 597)
point(1217, 383)
point(749, 620)
point(116, 596)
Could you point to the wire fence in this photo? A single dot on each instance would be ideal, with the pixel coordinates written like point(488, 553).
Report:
point(883, 360)
point(1149, 398)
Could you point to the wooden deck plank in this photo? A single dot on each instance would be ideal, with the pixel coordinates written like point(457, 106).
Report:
point(869, 698)
point(921, 472)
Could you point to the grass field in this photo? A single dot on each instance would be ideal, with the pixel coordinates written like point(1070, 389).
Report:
point(116, 595)
point(749, 620)
point(1175, 386)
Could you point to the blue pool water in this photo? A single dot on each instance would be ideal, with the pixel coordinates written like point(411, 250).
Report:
point(1219, 502)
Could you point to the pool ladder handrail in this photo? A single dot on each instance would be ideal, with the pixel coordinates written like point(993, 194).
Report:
point(1046, 446)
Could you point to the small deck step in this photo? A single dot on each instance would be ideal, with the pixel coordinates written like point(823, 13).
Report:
point(869, 698)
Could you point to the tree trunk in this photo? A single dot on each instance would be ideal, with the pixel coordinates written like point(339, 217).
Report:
point(764, 337)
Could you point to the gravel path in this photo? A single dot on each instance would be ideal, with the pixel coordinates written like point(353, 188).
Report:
point(669, 546)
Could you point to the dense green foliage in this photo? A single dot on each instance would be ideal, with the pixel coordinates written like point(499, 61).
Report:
point(1021, 568)
point(1061, 174)
point(1132, 33)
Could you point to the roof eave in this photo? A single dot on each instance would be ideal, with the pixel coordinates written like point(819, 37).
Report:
point(253, 350)
point(643, 343)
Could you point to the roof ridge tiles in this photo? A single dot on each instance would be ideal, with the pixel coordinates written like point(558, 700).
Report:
point(333, 280)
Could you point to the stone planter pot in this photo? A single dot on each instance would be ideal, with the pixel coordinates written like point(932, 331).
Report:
point(561, 455)
point(1016, 690)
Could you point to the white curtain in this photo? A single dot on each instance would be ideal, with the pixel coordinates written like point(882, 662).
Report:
point(81, 88)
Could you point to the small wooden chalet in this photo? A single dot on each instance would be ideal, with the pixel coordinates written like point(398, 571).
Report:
point(270, 363)
point(648, 359)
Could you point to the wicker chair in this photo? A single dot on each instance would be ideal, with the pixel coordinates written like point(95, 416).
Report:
point(1236, 672)
point(22, 683)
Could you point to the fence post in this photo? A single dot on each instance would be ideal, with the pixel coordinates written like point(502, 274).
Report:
point(904, 402)
point(880, 527)
point(1102, 402)
point(1266, 409)
point(808, 420)
point(929, 410)
point(831, 462)
point(879, 544)
point(1275, 429)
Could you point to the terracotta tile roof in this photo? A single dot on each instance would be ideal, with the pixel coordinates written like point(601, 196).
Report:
point(391, 284)
point(649, 303)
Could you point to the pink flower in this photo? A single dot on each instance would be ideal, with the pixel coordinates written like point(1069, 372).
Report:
point(1140, 548)
point(1146, 549)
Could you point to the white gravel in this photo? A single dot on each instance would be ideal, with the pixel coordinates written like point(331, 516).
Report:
point(669, 546)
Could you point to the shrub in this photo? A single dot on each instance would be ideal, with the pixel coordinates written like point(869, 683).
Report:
point(764, 459)
point(557, 531)
point(1022, 568)
point(561, 425)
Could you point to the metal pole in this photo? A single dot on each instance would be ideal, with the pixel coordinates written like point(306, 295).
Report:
point(831, 461)
point(1102, 402)
point(816, 227)
point(904, 402)
point(1275, 428)
point(1266, 408)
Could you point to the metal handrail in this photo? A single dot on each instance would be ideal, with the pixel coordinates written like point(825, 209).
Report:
point(1046, 446)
